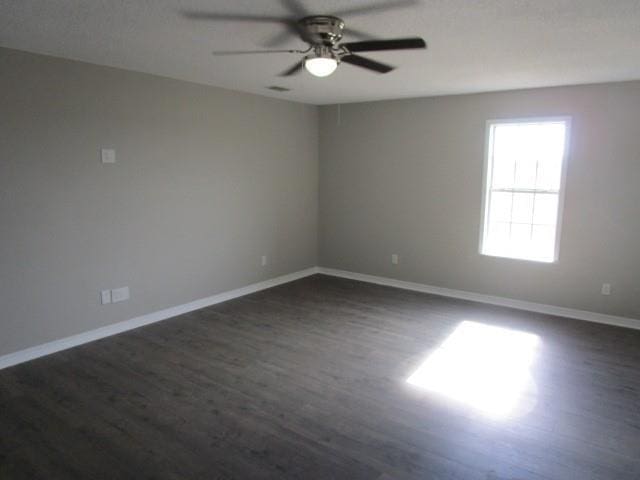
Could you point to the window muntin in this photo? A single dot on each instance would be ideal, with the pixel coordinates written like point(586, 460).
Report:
point(523, 191)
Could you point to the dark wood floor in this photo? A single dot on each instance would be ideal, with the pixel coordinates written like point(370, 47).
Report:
point(308, 380)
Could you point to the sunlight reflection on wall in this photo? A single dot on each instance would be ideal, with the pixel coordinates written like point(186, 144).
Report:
point(484, 367)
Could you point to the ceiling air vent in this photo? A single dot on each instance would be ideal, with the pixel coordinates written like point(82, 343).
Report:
point(276, 88)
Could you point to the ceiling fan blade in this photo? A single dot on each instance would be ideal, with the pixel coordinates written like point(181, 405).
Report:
point(251, 52)
point(296, 68)
point(376, 8)
point(295, 7)
point(352, 32)
point(377, 45)
point(283, 37)
point(297, 11)
point(367, 63)
point(233, 17)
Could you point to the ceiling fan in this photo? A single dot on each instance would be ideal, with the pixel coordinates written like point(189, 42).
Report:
point(323, 34)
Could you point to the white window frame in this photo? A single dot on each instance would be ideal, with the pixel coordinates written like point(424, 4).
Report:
point(487, 175)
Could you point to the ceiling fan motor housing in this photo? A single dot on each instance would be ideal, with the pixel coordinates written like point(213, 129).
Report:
point(322, 29)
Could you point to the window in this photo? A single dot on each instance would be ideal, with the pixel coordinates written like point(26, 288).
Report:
point(524, 187)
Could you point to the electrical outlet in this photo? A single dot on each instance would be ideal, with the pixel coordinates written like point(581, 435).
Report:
point(395, 259)
point(264, 261)
point(105, 297)
point(606, 289)
point(120, 294)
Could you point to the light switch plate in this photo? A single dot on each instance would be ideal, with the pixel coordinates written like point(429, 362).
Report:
point(120, 294)
point(108, 155)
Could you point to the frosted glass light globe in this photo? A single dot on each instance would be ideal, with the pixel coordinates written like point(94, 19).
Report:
point(320, 66)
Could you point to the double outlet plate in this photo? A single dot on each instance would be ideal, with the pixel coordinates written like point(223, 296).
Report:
point(115, 295)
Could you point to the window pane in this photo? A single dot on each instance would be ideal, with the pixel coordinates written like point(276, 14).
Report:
point(545, 209)
point(549, 151)
point(522, 208)
point(503, 172)
point(528, 155)
point(506, 142)
point(500, 207)
point(543, 242)
point(526, 170)
point(549, 174)
point(520, 235)
point(505, 153)
point(497, 238)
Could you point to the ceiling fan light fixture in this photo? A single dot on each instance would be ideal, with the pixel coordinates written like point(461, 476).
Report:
point(321, 64)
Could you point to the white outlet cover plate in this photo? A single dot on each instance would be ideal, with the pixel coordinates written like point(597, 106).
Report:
point(120, 294)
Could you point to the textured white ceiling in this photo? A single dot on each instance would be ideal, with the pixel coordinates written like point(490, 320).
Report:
point(474, 46)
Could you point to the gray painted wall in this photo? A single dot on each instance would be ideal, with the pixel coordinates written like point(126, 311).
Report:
point(207, 181)
point(406, 177)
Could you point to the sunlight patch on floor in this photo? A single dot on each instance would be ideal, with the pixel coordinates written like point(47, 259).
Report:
point(483, 366)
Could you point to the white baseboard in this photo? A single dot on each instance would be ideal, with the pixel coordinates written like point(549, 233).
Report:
point(478, 297)
point(113, 329)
